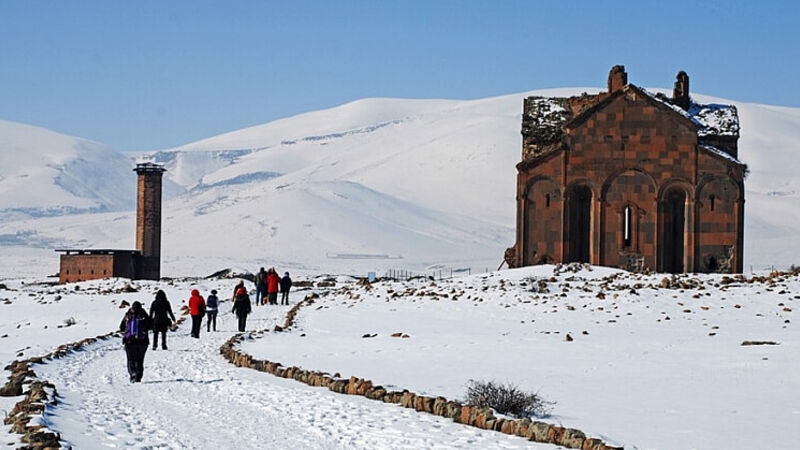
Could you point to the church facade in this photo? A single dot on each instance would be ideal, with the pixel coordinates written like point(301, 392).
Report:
point(631, 179)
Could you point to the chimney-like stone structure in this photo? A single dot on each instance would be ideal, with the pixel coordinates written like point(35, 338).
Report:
point(148, 220)
point(617, 78)
point(680, 93)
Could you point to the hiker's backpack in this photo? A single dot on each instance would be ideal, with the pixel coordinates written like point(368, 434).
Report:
point(212, 302)
point(134, 329)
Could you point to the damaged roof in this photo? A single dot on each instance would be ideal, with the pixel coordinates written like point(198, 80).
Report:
point(544, 118)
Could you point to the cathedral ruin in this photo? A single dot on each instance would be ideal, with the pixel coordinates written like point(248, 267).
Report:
point(631, 179)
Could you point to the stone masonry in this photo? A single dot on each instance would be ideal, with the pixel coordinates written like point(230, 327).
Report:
point(631, 179)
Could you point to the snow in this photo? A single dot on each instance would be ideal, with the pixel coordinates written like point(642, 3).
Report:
point(722, 154)
point(46, 173)
point(190, 397)
point(659, 368)
point(717, 120)
point(635, 378)
point(430, 180)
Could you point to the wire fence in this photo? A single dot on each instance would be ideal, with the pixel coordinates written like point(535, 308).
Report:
point(438, 274)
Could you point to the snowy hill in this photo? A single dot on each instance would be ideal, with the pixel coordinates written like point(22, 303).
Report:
point(43, 173)
point(407, 183)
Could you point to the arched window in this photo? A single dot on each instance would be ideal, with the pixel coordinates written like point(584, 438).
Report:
point(627, 225)
point(547, 200)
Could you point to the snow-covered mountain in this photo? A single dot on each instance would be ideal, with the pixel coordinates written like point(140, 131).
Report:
point(44, 173)
point(380, 183)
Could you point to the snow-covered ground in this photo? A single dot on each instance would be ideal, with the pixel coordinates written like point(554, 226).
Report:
point(648, 367)
point(374, 184)
point(191, 398)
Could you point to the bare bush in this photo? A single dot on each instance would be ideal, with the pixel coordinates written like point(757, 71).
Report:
point(508, 399)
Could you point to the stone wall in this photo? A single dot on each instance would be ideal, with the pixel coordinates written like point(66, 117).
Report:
point(479, 417)
point(40, 394)
point(630, 151)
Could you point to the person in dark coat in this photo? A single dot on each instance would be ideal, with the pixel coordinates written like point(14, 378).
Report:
point(212, 303)
point(286, 284)
point(162, 317)
point(261, 286)
point(135, 326)
point(241, 307)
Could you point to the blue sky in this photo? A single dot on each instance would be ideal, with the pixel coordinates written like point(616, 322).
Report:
point(145, 75)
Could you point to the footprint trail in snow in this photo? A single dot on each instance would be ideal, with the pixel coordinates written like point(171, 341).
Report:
point(192, 398)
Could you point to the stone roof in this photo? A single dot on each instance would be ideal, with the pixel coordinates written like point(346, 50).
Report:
point(544, 118)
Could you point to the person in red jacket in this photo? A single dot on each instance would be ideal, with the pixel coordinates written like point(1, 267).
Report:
point(197, 309)
point(273, 282)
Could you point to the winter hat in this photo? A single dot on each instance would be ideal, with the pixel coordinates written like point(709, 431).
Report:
point(195, 292)
point(214, 291)
point(136, 305)
point(286, 274)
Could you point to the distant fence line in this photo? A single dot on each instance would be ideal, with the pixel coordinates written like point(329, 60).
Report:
point(438, 274)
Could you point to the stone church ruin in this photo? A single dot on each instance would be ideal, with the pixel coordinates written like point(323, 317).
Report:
point(631, 179)
point(144, 263)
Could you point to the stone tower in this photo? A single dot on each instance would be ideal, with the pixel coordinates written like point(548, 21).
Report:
point(148, 220)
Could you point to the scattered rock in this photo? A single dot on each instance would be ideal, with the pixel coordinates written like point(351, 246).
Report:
point(745, 343)
point(569, 338)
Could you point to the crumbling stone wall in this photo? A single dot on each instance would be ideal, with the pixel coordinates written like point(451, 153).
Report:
point(471, 415)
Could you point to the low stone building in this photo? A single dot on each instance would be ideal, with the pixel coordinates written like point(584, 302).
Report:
point(631, 179)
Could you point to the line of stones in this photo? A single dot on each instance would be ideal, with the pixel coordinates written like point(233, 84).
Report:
point(480, 417)
point(37, 398)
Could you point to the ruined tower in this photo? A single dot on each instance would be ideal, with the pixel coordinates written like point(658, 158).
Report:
point(148, 220)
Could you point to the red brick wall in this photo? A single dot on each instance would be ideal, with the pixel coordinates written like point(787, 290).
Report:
point(629, 153)
point(85, 267)
point(148, 224)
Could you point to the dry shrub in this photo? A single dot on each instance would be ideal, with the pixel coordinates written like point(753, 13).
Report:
point(507, 399)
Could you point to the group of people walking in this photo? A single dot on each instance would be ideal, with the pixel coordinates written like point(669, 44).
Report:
point(269, 284)
point(137, 323)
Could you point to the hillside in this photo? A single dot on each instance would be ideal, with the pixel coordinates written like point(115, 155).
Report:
point(44, 173)
point(409, 183)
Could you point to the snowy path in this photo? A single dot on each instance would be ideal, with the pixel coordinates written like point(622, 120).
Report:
point(192, 398)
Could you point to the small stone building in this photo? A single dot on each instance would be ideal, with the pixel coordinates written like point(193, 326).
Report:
point(631, 179)
point(144, 263)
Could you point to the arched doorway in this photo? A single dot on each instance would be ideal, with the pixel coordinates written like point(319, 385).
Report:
point(579, 222)
point(673, 230)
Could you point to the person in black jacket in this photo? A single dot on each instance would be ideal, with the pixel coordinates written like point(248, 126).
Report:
point(135, 326)
point(212, 304)
point(161, 314)
point(261, 286)
point(241, 307)
point(286, 284)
